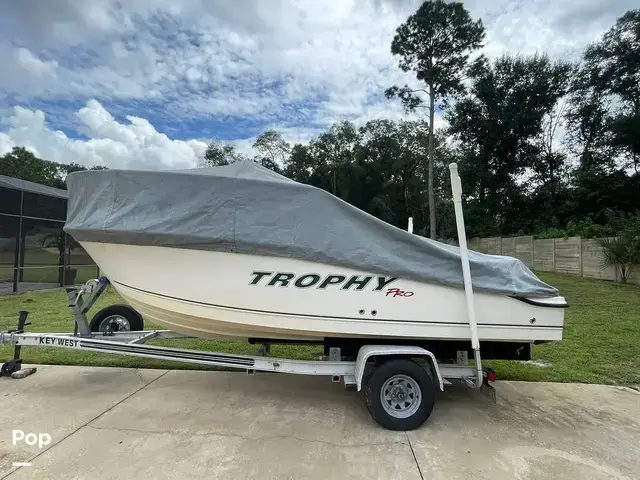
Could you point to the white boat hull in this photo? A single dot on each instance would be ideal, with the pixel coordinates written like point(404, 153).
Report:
point(233, 296)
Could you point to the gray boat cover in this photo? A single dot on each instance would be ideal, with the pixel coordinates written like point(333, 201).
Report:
point(246, 208)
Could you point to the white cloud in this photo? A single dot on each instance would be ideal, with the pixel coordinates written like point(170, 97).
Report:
point(134, 145)
point(294, 65)
point(33, 65)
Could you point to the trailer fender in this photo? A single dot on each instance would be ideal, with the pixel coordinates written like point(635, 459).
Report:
point(369, 351)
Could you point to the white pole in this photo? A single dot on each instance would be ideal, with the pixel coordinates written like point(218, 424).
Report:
point(456, 187)
point(410, 229)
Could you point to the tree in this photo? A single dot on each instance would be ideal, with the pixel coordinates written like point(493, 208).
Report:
point(218, 154)
point(388, 158)
point(379, 168)
point(498, 125)
point(300, 164)
point(273, 149)
point(589, 126)
point(23, 164)
point(435, 43)
point(603, 119)
point(626, 134)
point(612, 66)
point(334, 150)
point(623, 251)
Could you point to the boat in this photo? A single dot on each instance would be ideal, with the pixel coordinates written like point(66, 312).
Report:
point(241, 252)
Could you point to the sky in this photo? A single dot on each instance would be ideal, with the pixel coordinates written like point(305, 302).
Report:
point(147, 83)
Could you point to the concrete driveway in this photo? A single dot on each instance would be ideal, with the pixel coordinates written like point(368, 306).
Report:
point(112, 423)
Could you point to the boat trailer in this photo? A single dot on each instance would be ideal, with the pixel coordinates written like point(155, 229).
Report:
point(399, 382)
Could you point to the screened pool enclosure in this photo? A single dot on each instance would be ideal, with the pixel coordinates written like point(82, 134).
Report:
point(35, 253)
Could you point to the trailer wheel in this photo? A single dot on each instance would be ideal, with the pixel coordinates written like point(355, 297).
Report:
point(117, 318)
point(400, 394)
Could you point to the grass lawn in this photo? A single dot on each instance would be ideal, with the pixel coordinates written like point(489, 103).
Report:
point(601, 340)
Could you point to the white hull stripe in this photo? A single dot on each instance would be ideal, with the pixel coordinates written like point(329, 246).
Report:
point(289, 314)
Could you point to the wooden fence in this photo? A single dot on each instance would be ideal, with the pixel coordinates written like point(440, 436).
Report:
point(573, 255)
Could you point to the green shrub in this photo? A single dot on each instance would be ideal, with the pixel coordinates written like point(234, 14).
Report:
point(552, 233)
point(623, 250)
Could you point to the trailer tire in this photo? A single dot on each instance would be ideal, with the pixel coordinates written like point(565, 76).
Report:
point(118, 318)
point(400, 394)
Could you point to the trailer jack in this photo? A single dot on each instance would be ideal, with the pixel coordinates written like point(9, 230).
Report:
point(13, 368)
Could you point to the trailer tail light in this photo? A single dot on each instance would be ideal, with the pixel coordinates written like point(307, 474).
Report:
point(491, 375)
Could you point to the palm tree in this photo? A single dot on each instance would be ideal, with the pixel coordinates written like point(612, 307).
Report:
point(622, 252)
